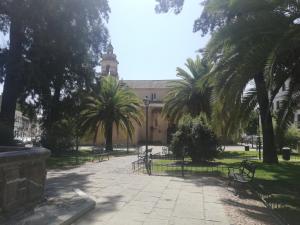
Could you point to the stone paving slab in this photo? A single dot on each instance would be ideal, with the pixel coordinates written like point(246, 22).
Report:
point(57, 211)
point(126, 198)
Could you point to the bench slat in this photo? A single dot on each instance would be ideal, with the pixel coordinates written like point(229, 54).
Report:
point(246, 172)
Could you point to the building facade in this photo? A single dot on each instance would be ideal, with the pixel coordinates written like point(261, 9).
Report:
point(155, 90)
point(24, 129)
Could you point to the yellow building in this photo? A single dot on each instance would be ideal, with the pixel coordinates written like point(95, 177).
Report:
point(155, 90)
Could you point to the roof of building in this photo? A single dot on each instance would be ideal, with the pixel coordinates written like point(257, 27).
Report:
point(148, 83)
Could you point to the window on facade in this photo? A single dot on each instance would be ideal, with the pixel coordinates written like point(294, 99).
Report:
point(153, 96)
point(283, 87)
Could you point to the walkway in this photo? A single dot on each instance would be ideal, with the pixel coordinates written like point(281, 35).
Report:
point(128, 199)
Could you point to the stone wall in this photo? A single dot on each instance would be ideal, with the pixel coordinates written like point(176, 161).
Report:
point(22, 177)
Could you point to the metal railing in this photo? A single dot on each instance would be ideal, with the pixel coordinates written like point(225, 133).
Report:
point(143, 163)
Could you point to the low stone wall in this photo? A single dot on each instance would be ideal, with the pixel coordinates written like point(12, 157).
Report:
point(22, 177)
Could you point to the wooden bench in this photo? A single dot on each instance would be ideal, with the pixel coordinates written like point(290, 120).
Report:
point(244, 174)
point(99, 153)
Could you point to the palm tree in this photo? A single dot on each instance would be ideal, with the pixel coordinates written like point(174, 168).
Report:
point(185, 97)
point(252, 40)
point(245, 34)
point(115, 104)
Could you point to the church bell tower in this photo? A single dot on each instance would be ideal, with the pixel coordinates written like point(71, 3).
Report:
point(109, 63)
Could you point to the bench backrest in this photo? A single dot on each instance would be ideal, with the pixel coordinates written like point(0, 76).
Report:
point(98, 150)
point(248, 169)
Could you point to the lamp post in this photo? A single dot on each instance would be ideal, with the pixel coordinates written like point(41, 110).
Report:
point(147, 103)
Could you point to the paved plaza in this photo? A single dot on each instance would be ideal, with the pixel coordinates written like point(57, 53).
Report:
point(128, 199)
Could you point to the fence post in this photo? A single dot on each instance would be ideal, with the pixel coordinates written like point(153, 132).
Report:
point(150, 164)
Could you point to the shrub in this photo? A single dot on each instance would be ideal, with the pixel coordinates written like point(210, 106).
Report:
point(181, 139)
point(287, 138)
point(59, 137)
point(292, 137)
point(204, 143)
point(197, 137)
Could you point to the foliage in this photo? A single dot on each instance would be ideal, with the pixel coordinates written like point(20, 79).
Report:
point(115, 104)
point(56, 44)
point(181, 139)
point(252, 126)
point(195, 137)
point(292, 137)
point(289, 138)
point(164, 6)
point(60, 137)
point(185, 96)
point(251, 40)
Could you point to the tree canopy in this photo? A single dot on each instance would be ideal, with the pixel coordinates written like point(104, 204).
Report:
point(53, 48)
point(251, 41)
point(185, 96)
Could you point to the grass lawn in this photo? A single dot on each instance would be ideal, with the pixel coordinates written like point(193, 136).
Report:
point(280, 183)
point(73, 159)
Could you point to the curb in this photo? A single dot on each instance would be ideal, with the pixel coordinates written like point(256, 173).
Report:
point(61, 211)
point(85, 208)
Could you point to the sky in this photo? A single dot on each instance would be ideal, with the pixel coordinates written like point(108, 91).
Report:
point(151, 46)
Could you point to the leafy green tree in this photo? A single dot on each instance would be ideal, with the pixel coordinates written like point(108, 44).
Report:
point(164, 6)
point(60, 137)
point(185, 96)
point(53, 48)
point(115, 104)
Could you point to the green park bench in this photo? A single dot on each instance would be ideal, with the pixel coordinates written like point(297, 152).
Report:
point(242, 175)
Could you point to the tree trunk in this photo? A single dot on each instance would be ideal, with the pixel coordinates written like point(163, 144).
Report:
point(269, 149)
point(108, 137)
point(12, 83)
point(95, 135)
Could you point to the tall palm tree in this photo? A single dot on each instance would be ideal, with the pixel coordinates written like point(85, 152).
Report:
point(252, 40)
point(245, 34)
point(115, 104)
point(185, 96)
